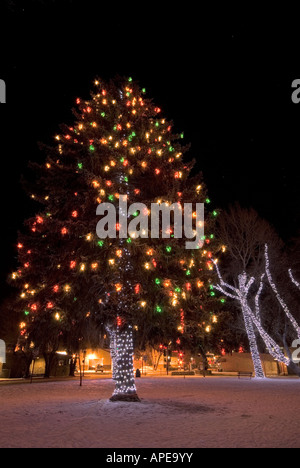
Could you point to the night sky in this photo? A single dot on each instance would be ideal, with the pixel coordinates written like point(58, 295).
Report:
point(226, 84)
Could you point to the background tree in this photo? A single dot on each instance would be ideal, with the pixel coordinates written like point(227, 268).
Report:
point(251, 282)
point(244, 235)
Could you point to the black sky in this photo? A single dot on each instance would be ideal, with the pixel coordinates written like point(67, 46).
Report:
point(226, 83)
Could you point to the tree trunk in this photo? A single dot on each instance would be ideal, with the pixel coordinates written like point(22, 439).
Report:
point(49, 357)
point(294, 368)
point(123, 373)
point(204, 361)
point(72, 367)
point(113, 352)
point(157, 361)
point(258, 368)
point(28, 361)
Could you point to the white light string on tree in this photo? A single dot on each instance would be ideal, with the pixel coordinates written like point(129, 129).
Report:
point(279, 298)
point(240, 294)
point(293, 279)
point(273, 348)
point(125, 389)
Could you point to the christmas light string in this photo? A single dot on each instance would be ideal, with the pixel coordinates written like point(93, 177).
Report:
point(124, 376)
point(273, 348)
point(257, 296)
point(279, 298)
point(240, 294)
point(293, 279)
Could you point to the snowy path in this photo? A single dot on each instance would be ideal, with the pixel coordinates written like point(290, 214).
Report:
point(174, 413)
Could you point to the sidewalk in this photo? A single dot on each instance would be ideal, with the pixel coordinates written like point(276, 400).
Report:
point(41, 379)
point(108, 376)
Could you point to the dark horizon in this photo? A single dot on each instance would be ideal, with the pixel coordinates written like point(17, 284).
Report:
point(228, 88)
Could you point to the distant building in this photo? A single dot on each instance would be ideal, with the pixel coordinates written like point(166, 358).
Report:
point(90, 361)
point(242, 362)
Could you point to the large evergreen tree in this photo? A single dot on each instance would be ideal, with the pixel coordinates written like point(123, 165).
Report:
point(70, 279)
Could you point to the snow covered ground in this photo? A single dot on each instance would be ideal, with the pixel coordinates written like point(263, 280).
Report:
point(174, 413)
